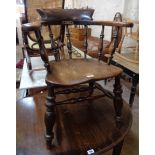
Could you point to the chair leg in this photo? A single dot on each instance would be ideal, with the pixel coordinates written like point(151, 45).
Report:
point(135, 80)
point(91, 87)
point(50, 116)
point(118, 102)
point(117, 149)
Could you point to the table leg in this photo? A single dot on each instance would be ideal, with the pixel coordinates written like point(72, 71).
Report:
point(135, 80)
point(117, 149)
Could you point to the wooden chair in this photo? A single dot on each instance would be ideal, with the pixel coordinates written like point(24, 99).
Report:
point(94, 42)
point(128, 57)
point(70, 75)
point(130, 40)
point(30, 42)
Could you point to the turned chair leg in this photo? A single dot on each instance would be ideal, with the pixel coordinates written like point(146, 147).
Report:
point(133, 89)
point(118, 102)
point(50, 116)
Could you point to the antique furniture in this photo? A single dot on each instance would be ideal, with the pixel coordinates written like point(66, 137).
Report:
point(130, 69)
point(128, 58)
point(94, 42)
point(127, 53)
point(75, 75)
point(80, 128)
point(29, 40)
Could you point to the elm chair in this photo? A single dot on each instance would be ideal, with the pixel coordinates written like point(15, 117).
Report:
point(70, 75)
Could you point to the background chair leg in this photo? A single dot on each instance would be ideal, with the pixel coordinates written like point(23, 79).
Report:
point(91, 86)
point(135, 80)
point(118, 102)
point(117, 149)
point(50, 116)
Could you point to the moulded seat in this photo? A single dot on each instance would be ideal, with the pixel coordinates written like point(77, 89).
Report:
point(75, 71)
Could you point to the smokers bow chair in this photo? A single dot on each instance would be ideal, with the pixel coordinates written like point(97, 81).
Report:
point(75, 75)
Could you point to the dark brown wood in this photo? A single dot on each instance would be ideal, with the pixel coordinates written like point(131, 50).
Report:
point(43, 53)
point(135, 80)
point(117, 149)
point(131, 70)
point(118, 101)
point(54, 46)
point(57, 15)
point(91, 88)
point(50, 116)
point(76, 71)
point(65, 73)
point(101, 43)
point(115, 42)
point(86, 41)
point(78, 128)
point(97, 23)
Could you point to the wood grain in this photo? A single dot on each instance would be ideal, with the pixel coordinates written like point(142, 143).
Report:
point(76, 71)
point(78, 128)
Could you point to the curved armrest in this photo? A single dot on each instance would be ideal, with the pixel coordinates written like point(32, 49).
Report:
point(31, 26)
point(105, 23)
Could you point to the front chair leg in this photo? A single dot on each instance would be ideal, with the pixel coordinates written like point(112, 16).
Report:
point(118, 102)
point(50, 116)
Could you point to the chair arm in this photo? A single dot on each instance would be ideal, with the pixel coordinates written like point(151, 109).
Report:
point(31, 26)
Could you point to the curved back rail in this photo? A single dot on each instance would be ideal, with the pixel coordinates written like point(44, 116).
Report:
point(68, 22)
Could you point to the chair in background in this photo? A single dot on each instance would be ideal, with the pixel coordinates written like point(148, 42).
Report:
point(94, 42)
point(128, 57)
point(127, 52)
point(30, 43)
point(70, 75)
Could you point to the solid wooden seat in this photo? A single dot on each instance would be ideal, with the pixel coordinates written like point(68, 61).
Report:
point(76, 71)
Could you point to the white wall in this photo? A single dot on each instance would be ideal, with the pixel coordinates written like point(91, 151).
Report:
point(106, 9)
point(131, 9)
